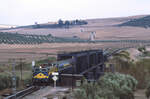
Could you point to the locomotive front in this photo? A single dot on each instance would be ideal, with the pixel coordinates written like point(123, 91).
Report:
point(40, 75)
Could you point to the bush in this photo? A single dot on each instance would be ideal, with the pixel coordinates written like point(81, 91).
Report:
point(110, 86)
point(6, 81)
point(118, 85)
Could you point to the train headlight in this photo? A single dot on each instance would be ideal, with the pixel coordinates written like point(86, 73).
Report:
point(40, 67)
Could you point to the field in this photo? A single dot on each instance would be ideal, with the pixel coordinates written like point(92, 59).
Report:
point(42, 51)
point(105, 29)
point(37, 52)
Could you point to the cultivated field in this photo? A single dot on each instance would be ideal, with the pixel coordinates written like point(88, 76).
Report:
point(37, 52)
point(42, 51)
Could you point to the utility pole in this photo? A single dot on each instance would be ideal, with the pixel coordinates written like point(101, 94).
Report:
point(13, 77)
point(72, 75)
point(73, 70)
point(21, 69)
point(21, 65)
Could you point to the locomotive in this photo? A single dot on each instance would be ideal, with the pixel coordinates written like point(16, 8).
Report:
point(40, 75)
point(43, 74)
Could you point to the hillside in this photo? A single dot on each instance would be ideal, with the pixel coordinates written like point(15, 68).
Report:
point(106, 29)
point(140, 22)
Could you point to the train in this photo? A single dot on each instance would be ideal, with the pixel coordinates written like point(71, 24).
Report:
point(71, 63)
point(42, 75)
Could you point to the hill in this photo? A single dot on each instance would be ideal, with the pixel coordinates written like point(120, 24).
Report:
point(2, 26)
point(59, 24)
point(140, 22)
point(105, 29)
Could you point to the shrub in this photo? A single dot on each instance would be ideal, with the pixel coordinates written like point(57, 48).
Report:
point(117, 85)
point(110, 86)
point(6, 81)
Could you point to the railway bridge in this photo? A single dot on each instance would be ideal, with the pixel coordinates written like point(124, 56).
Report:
point(87, 64)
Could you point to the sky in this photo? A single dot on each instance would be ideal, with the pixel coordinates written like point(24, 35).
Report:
point(26, 12)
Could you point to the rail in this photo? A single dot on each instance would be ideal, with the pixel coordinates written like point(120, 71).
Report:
point(23, 93)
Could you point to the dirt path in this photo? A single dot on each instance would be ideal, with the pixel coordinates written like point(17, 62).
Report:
point(140, 94)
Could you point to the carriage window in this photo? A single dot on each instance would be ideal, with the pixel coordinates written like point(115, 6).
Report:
point(44, 70)
point(37, 70)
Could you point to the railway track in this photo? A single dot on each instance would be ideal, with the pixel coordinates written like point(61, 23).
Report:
point(23, 93)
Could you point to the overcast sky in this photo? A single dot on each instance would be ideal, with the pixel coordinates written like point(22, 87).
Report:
point(24, 12)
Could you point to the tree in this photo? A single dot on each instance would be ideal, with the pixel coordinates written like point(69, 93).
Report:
point(60, 22)
point(67, 23)
point(76, 21)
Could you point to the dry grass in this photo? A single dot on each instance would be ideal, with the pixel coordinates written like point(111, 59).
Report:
point(41, 51)
point(36, 52)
